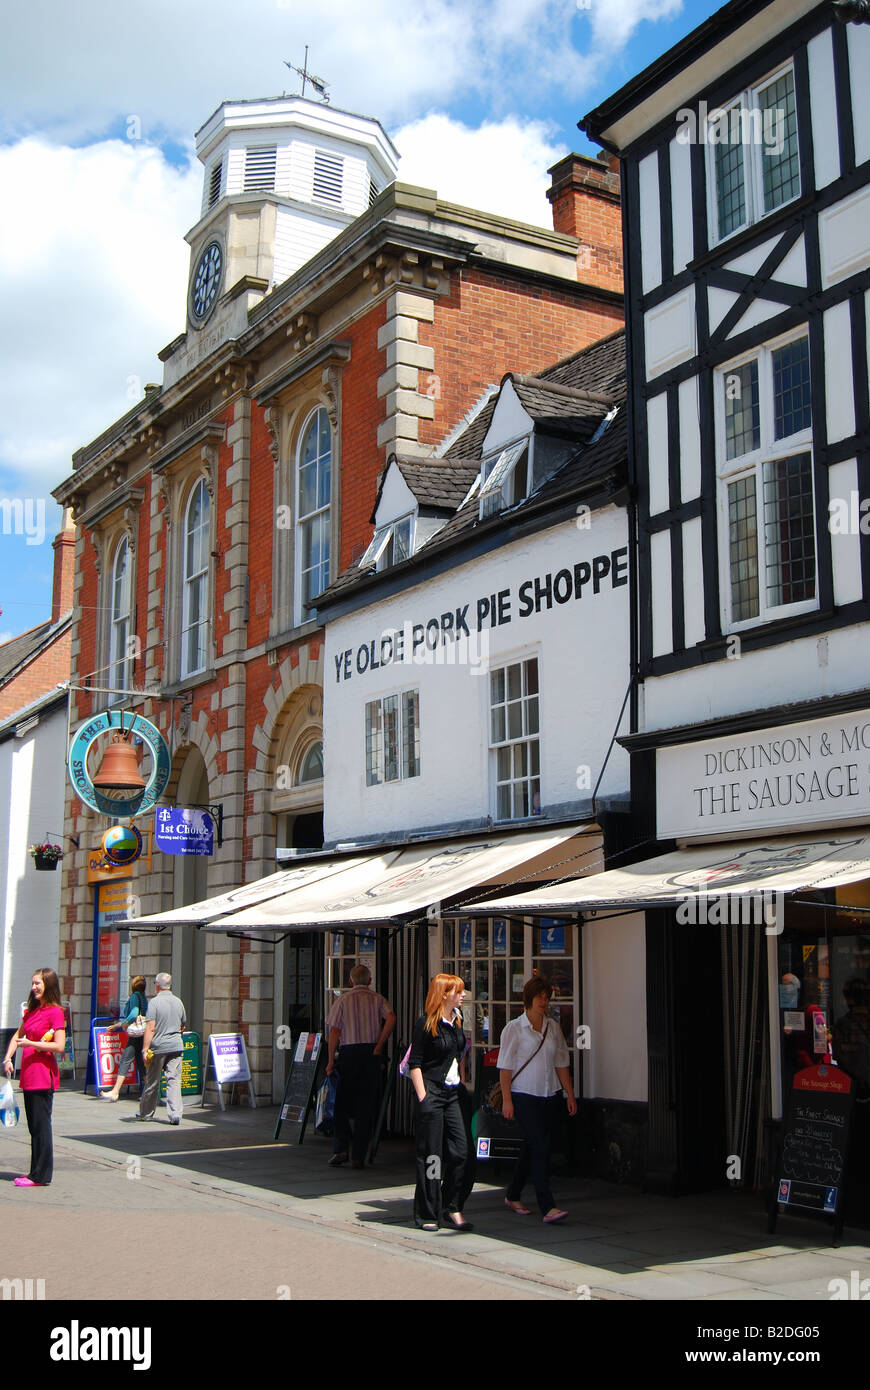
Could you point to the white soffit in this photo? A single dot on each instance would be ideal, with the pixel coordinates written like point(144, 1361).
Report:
point(734, 48)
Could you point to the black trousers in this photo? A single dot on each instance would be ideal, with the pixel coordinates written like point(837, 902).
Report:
point(37, 1108)
point(355, 1099)
point(534, 1115)
point(442, 1153)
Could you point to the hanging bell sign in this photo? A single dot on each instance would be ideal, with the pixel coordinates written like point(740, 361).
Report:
point(119, 787)
point(119, 774)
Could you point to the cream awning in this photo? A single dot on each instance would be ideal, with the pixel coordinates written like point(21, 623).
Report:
point(397, 885)
point(785, 865)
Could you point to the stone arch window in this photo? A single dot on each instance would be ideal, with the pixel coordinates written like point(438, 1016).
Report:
point(297, 795)
point(196, 543)
point(121, 657)
point(313, 499)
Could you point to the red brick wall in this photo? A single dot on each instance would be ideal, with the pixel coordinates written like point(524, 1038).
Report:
point(490, 324)
point(361, 413)
point(39, 677)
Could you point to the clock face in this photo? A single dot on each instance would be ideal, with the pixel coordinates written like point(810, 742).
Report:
point(206, 282)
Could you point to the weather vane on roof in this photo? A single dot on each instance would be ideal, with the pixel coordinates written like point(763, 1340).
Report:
point(317, 82)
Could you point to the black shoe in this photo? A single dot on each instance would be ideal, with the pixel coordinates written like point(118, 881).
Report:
point(175, 1122)
point(337, 1160)
point(453, 1225)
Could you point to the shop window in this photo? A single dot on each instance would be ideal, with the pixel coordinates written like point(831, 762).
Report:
point(393, 738)
point(345, 950)
point(195, 589)
point(514, 730)
point(120, 656)
point(495, 956)
point(313, 496)
point(766, 484)
point(753, 152)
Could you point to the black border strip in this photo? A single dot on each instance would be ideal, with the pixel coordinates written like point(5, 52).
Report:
point(666, 213)
point(678, 610)
point(756, 286)
point(843, 94)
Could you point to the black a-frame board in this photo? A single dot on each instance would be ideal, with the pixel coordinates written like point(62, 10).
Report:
point(810, 1175)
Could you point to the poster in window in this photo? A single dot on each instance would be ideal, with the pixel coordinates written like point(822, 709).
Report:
point(499, 937)
point(552, 937)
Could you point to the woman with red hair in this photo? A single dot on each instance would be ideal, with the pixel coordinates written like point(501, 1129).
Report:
point(437, 1048)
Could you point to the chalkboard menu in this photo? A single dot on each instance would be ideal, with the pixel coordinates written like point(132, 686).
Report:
point(298, 1092)
point(815, 1143)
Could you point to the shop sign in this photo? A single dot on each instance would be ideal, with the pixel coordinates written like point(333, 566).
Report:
point(178, 830)
point(794, 775)
point(108, 1048)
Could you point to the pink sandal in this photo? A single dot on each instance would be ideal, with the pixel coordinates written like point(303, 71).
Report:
point(517, 1207)
point(555, 1215)
point(26, 1182)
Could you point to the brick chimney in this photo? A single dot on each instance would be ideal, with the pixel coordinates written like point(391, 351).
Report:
point(586, 204)
point(64, 546)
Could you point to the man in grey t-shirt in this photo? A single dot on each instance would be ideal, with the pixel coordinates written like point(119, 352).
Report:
point(164, 1025)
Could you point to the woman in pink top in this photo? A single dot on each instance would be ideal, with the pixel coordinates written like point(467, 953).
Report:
point(42, 1033)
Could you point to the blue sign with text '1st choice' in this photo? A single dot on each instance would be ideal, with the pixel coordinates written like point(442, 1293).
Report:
point(178, 830)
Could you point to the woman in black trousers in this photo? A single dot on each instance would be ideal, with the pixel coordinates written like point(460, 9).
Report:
point(437, 1048)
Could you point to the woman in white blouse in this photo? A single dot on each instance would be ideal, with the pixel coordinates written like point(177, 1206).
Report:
point(533, 1065)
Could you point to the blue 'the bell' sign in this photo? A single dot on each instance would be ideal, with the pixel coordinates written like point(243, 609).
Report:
point(178, 830)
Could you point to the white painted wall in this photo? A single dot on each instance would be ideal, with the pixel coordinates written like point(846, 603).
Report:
point(681, 203)
point(657, 449)
point(32, 771)
point(509, 420)
point(651, 233)
point(806, 669)
point(582, 648)
point(858, 38)
point(614, 987)
point(396, 499)
point(823, 109)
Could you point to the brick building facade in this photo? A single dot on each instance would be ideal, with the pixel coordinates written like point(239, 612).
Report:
point(212, 514)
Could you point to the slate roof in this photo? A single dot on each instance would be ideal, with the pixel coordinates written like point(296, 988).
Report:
point(20, 649)
point(561, 399)
point(437, 484)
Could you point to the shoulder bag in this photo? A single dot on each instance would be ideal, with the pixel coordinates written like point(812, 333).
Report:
point(495, 1099)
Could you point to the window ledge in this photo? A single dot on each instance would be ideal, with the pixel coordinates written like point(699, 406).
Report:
point(812, 616)
point(292, 634)
point(185, 683)
point(731, 245)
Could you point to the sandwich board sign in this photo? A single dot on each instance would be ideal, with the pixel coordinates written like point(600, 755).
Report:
point(229, 1061)
point(299, 1091)
point(811, 1170)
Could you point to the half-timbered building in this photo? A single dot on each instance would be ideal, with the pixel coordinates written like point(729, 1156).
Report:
point(746, 163)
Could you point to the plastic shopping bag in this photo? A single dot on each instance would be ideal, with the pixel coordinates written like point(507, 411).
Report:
point(8, 1109)
point(324, 1117)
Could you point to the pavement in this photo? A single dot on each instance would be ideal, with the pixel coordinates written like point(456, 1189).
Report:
point(618, 1244)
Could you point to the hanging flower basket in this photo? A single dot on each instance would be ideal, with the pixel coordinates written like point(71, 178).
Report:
point(46, 856)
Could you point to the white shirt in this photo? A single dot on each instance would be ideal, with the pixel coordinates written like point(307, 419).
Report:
point(519, 1042)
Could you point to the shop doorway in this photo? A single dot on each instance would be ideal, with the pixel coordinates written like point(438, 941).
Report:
point(823, 959)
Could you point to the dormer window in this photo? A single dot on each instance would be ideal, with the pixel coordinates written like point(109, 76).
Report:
point(260, 162)
point(505, 478)
point(390, 544)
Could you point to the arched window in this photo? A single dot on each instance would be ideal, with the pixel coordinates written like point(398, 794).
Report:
point(314, 472)
point(194, 617)
point(311, 765)
point(120, 656)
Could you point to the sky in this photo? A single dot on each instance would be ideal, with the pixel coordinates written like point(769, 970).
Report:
point(99, 101)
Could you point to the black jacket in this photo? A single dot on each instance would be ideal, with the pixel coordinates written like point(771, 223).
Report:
point(435, 1055)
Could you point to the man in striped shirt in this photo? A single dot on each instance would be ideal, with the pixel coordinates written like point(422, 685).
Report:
point(359, 1024)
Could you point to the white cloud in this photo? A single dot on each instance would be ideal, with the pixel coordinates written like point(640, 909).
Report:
point(171, 62)
point(501, 167)
point(93, 270)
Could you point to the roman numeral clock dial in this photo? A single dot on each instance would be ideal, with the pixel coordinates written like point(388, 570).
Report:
point(206, 283)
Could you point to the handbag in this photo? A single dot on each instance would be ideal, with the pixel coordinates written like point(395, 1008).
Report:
point(495, 1099)
point(137, 1028)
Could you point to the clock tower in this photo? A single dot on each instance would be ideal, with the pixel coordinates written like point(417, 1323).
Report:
point(282, 177)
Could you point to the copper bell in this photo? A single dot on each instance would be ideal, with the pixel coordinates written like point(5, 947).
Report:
point(119, 770)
